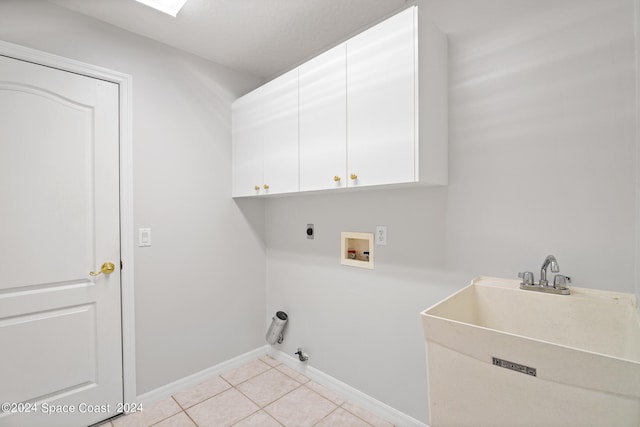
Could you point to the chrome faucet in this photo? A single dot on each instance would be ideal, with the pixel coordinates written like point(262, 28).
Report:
point(549, 260)
point(559, 285)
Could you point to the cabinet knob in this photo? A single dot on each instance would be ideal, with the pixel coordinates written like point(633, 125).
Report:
point(336, 178)
point(266, 187)
point(354, 176)
point(257, 188)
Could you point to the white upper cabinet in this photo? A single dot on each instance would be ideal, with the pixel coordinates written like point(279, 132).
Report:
point(247, 163)
point(369, 112)
point(265, 139)
point(381, 102)
point(280, 134)
point(323, 121)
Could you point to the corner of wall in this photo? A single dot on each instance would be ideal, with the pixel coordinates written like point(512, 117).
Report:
point(637, 163)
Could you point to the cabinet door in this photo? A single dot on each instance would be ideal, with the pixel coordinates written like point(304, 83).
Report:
point(247, 145)
point(381, 102)
point(280, 133)
point(323, 121)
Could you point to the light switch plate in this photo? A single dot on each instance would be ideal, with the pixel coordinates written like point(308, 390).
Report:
point(144, 237)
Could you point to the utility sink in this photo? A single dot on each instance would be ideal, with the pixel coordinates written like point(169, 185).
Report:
point(498, 355)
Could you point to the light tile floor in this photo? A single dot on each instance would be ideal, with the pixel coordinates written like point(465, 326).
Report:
point(262, 393)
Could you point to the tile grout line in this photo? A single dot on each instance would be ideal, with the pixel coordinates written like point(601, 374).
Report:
point(166, 418)
point(321, 419)
point(225, 380)
point(308, 379)
point(281, 397)
point(248, 379)
point(325, 398)
point(260, 407)
point(245, 395)
point(180, 405)
point(261, 373)
point(287, 393)
point(185, 410)
point(192, 420)
point(357, 416)
point(255, 412)
point(337, 406)
point(291, 391)
point(269, 367)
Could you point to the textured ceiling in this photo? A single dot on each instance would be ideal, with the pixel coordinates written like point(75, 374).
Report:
point(268, 37)
point(260, 37)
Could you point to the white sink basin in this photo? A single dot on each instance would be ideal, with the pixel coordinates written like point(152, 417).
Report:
point(583, 348)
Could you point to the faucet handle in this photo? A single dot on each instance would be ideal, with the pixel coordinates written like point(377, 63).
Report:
point(560, 281)
point(527, 278)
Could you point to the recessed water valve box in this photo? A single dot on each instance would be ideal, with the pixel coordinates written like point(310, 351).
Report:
point(357, 249)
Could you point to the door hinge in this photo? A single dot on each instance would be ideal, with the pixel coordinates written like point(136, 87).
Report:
point(121, 264)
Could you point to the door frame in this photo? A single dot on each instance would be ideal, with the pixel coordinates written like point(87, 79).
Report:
point(124, 82)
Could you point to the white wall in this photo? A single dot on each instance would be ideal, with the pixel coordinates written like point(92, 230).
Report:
point(542, 161)
point(197, 302)
point(637, 28)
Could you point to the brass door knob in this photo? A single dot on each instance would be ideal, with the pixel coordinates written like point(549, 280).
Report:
point(107, 268)
point(336, 178)
point(354, 176)
point(257, 188)
point(266, 187)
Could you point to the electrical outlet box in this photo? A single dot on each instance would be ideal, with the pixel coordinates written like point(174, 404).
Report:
point(357, 249)
point(381, 235)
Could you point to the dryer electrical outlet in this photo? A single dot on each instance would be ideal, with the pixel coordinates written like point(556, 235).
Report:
point(381, 235)
point(310, 232)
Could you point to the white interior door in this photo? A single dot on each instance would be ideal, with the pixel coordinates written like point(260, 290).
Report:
point(60, 328)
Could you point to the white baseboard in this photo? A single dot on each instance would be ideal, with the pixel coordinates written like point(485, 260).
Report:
point(172, 388)
point(356, 396)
